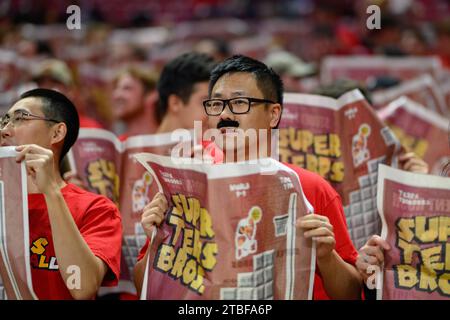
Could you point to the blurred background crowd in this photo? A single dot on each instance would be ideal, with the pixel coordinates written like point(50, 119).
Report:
point(295, 37)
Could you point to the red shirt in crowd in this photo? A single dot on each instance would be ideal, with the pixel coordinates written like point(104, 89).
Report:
point(86, 122)
point(99, 223)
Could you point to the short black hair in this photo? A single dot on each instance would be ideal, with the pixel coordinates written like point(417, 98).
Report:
point(179, 77)
point(57, 106)
point(267, 80)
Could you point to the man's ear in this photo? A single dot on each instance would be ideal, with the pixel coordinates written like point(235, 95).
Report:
point(58, 133)
point(275, 114)
point(174, 103)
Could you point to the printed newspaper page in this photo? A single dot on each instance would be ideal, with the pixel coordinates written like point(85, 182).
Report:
point(229, 233)
point(419, 130)
point(106, 166)
point(15, 268)
point(415, 212)
point(342, 140)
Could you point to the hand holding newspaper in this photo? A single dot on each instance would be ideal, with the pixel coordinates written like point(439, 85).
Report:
point(229, 233)
point(343, 140)
point(15, 268)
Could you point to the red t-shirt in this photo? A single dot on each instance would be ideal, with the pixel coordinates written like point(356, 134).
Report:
point(325, 201)
point(99, 223)
point(86, 122)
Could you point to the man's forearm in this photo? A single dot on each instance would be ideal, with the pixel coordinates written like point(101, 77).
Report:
point(139, 272)
point(72, 250)
point(341, 280)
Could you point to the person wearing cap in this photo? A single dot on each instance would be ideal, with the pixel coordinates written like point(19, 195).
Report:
point(73, 228)
point(55, 74)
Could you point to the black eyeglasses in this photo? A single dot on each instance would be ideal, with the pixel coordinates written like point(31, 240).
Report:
point(21, 115)
point(238, 105)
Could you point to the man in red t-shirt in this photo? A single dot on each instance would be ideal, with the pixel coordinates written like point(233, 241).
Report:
point(246, 94)
point(72, 232)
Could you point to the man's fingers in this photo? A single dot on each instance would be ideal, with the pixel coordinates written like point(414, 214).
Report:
point(319, 232)
point(371, 259)
point(378, 241)
point(416, 167)
point(153, 211)
point(68, 175)
point(325, 240)
point(312, 224)
point(160, 197)
point(163, 197)
point(34, 156)
point(161, 204)
point(363, 267)
point(405, 156)
point(151, 220)
point(374, 251)
point(313, 216)
point(34, 164)
point(313, 221)
point(411, 162)
point(31, 149)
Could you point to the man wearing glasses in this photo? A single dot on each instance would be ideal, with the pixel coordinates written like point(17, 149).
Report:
point(245, 94)
point(68, 225)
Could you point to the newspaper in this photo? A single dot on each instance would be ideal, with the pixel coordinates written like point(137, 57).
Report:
point(415, 211)
point(423, 90)
point(419, 130)
point(229, 233)
point(342, 140)
point(15, 268)
point(107, 166)
point(364, 68)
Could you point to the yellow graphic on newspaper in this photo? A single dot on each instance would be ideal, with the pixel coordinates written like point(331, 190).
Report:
point(360, 150)
point(319, 153)
point(139, 197)
point(191, 250)
point(102, 177)
point(417, 145)
point(425, 254)
point(244, 238)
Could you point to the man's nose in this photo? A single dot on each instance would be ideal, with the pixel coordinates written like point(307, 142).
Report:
point(226, 113)
point(116, 93)
point(5, 131)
